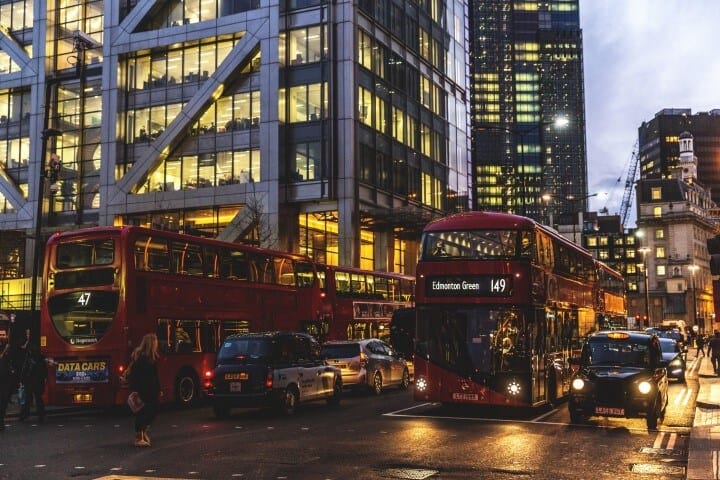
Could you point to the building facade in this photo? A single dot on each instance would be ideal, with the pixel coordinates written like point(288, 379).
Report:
point(659, 145)
point(673, 226)
point(335, 129)
point(526, 73)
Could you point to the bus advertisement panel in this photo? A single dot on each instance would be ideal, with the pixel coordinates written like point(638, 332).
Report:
point(501, 304)
point(106, 287)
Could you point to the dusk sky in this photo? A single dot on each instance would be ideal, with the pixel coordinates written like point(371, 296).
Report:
point(641, 56)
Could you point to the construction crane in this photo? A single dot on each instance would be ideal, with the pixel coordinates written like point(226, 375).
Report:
point(629, 185)
point(632, 169)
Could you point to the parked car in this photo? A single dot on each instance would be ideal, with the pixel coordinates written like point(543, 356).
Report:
point(369, 363)
point(674, 355)
point(620, 374)
point(274, 369)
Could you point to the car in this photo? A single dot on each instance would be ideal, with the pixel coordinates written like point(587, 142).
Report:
point(619, 374)
point(271, 369)
point(367, 364)
point(674, 355)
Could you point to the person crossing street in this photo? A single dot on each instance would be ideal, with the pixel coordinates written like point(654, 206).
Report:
point(714, 351)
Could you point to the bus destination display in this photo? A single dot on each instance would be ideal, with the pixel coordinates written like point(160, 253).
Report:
point(469, 285)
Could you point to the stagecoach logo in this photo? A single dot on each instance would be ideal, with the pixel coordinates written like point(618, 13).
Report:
point(469, 285)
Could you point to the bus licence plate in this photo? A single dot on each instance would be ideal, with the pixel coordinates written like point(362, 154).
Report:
point(235, 386)
point(609, 411)
point(470, 397)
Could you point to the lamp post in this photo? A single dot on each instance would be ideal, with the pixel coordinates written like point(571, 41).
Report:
point(693, 269)
point(520, 133)
point(570, 198)
point(645, 251)
point(46, 135)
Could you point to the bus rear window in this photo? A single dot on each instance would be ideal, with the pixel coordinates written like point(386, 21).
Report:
point(83, 317)
point(85, 253)
point(474, 245)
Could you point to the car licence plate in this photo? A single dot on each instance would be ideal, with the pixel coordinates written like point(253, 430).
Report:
point(235, 386)
point(236, 376)
point(610, 411)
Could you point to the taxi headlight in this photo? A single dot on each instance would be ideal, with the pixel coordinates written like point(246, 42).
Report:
point(578, 384)
point(644, 387)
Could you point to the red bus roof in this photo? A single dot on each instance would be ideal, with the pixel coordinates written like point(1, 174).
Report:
point(474, 220)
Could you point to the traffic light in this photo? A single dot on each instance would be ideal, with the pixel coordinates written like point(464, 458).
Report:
point(713, 246)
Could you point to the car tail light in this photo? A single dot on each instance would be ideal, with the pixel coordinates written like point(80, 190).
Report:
point(269, 379)
point(363, 360)
point(209, 374)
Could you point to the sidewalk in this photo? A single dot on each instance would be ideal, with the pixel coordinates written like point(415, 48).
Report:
point(704, 444)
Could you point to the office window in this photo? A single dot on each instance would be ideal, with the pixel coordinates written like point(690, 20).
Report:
point(659, 233)
point(659, 252)
point(656, 193)
point(657, 211)
point(307, 162)
point(660, 270)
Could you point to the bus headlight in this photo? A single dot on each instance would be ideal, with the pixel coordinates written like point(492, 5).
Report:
point(421, 384)
point(513, 388)
point(644, 387)
point(578, 384)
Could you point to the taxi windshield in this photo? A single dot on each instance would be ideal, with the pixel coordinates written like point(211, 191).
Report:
point(617, 354)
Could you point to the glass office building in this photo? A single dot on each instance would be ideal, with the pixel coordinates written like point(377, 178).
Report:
point(335, 129)
point(527, 73)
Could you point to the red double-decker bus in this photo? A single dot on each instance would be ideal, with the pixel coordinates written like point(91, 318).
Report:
point(106, 287)
point(501, 303)
point(360, 304)
point(611, 300)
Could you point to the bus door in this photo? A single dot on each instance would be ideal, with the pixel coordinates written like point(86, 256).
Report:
point(538, 334)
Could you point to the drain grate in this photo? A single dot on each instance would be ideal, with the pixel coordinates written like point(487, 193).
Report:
point(663, 451)
point(655, 469)
point(409, 473)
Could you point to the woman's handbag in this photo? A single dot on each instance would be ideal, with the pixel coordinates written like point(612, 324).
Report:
point(135, 402)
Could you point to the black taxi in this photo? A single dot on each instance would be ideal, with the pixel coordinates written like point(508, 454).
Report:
point(271, 369)
point(620, 374)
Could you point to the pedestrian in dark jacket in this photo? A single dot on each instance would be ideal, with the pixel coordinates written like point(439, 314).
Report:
point(700, 342)
point(33, 376)
point(143, 378)
point(714, 351)
point(7, 380)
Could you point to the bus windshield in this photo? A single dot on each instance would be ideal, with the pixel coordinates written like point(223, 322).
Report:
point(472, 339)
point(475, 244)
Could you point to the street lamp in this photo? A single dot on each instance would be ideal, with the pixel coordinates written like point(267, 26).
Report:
point(44, 173)
point(645, 251)
point(573, 199)
point(520, 133)
point(693, 269)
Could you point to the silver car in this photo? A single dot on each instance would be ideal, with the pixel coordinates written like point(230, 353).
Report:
point(369, 363)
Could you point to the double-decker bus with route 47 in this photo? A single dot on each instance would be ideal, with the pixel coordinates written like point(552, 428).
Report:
point(359, 303)
point(106, 287)
point(502, 302)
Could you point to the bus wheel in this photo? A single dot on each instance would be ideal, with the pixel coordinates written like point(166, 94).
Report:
point(377, 385)
point(289, 401)
point(186, 388)
point(405, 380)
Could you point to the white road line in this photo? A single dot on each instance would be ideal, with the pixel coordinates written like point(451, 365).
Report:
point(715, 455)
point(659, 440)
point(671, 441)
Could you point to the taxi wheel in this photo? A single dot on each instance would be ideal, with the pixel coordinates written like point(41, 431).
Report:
point(377, 384)
point(220, 410)
point(405, 380)
point(334, 399)
point(652, 417)
point(289, 401)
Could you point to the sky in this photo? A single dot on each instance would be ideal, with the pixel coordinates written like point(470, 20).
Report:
point(641, 56)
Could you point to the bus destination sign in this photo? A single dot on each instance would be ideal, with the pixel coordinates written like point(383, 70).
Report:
point(469, 285)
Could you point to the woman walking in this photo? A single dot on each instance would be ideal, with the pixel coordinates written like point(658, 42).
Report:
point(143, 379)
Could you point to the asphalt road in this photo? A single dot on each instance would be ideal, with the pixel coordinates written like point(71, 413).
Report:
point(366, 437)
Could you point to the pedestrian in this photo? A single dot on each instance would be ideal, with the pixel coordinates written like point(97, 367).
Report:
point(33, 376)
point(143, 379)
point(7, 380)
point(700, 342)
point(714, 351)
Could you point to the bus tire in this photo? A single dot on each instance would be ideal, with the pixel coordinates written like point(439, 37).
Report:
point(405, 382)
point(186, 388)
point(289, 400)
point(377, 384)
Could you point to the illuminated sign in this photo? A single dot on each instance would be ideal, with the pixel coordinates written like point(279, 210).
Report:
point(469, 285)
point(82, 371)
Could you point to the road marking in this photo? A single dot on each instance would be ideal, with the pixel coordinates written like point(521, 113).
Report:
point(659, 440)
